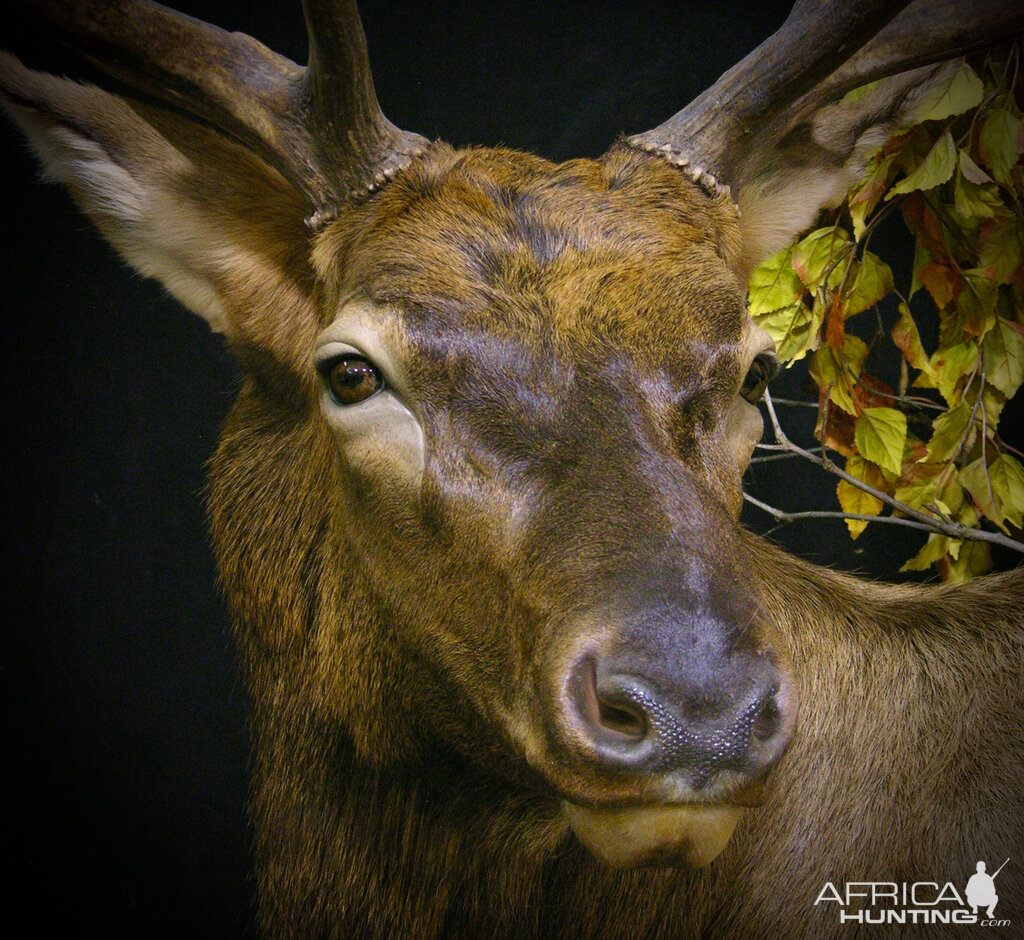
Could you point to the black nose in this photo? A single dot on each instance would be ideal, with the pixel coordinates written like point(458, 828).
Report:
point(698, 725)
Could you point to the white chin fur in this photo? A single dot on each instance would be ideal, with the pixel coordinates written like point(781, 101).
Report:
point(690, 835)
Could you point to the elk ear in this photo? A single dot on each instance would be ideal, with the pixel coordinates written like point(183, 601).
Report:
point(781, 188)
point(222, 231)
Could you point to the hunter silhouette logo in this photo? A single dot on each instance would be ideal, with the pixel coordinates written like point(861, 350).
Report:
point(919, 902)
point(981, 889)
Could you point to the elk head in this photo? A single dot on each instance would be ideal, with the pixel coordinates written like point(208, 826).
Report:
point(481, 488)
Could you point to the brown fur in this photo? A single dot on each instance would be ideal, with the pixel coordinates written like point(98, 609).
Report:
point(368, 819)
point(575, 339)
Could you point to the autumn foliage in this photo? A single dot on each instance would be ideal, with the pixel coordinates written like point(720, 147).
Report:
point(931, 439)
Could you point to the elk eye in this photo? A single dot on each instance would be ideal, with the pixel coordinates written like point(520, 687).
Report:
point(351, 379)
point(762, 370)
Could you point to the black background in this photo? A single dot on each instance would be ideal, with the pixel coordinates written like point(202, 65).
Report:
point(124, 719)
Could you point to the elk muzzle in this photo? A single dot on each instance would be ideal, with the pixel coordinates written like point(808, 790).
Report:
point(671, 700)
point(677, 716)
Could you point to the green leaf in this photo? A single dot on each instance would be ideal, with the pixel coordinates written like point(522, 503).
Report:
point(1004, 356)
point(859, 93)
point(974, 559)
point(973, 202)
point(994, 402)
point(976, 303)
point(935, 169)
point(792, 328)
point(935, 549)
point(959, 93)
point(1001, 249)
point(976, 479)
point(949, 432)
point(880, 436)
point(816, 254)
point(865, 195)
point(950, 364)
point(774, 284)
point(949, 497)
point(829, 368)
point(999, 138)
point(916, 488)
point(1007, 476)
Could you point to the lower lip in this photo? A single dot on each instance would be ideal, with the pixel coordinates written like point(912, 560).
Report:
point(689, 834)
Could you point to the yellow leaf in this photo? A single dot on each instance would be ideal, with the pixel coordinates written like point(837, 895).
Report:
point(852, 499)
point(1004, 356)
point(999, 143)
point(951, 432)
point(774, 284)
point(905, 335)
point(961, 92)
point(792, 328)
point(936, 168)
point(816, 254)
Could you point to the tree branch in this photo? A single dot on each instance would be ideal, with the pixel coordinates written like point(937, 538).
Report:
point(783, 516)
point(930, 523)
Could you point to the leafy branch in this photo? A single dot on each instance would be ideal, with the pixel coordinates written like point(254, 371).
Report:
point(933, 456)
point(936, 521)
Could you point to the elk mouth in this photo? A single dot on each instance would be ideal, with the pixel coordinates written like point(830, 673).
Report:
point(674, 835)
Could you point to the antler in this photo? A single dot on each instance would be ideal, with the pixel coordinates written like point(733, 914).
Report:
point(823, 50)
point(321, 127)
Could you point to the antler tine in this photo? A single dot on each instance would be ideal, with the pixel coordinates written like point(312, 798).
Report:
point(339, 82)
point(319, 127)
point(707, 137)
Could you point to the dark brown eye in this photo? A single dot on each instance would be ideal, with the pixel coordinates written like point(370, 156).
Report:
point(352, 379)
point(762, 370)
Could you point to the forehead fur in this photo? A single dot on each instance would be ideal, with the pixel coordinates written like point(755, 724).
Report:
point(624, 251)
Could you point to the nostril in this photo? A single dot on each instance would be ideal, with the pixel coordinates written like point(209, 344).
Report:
point(627, 720)
point(611, 715)
point(768, 717)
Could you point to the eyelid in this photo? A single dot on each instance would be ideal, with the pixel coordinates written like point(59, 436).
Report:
point(329, 352)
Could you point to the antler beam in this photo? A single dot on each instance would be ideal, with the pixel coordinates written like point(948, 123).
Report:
point(321, 127)
point(824, 49)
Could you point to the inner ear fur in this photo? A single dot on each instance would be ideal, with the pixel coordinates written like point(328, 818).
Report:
point(222, 231)
point(812, 162)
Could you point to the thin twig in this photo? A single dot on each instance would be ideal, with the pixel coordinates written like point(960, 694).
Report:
point(796, 404)
point(919, 401)
point(785, 455)
point(782, 516)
